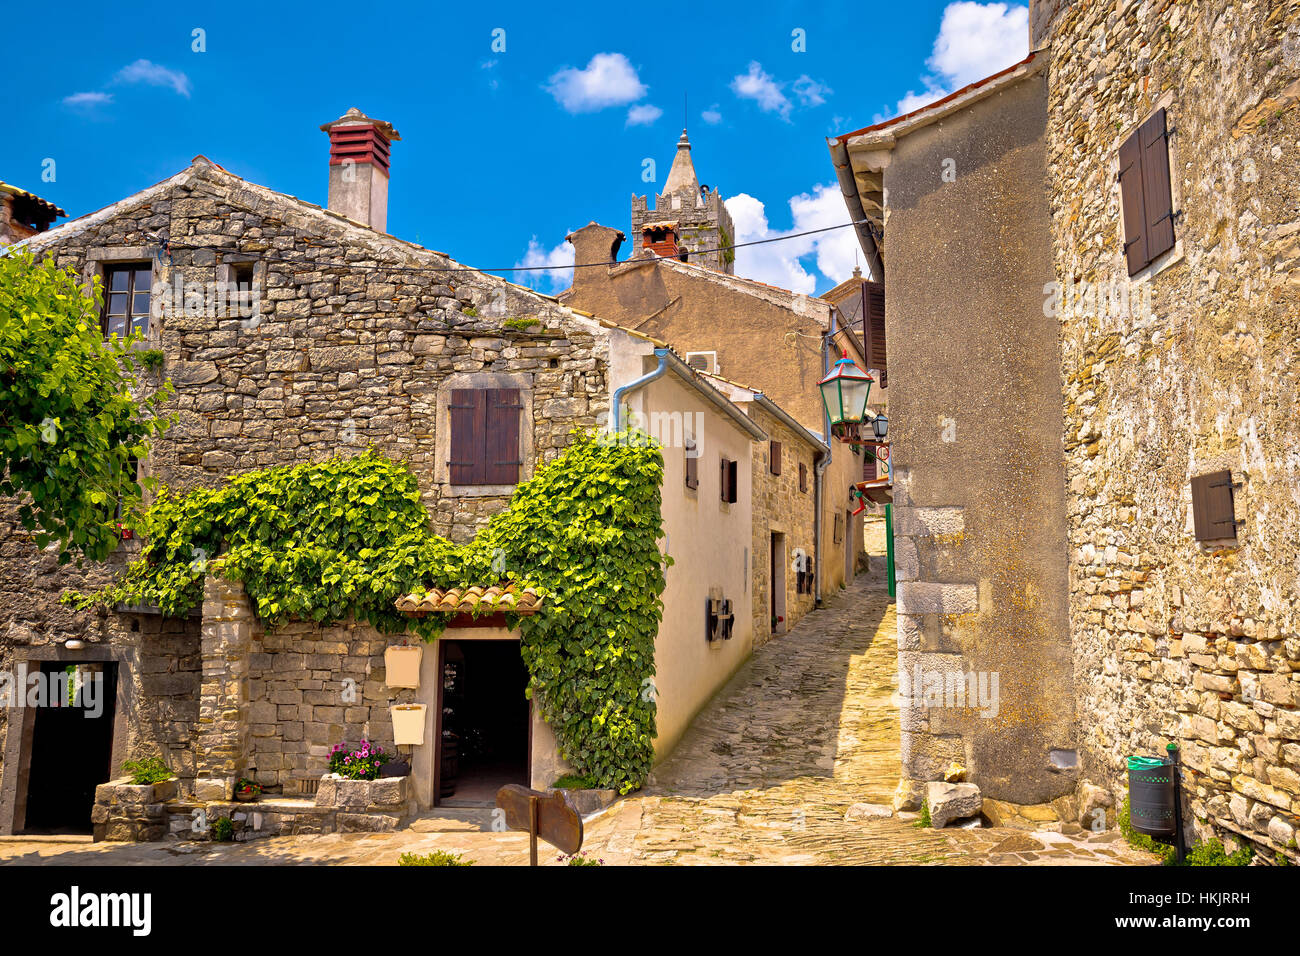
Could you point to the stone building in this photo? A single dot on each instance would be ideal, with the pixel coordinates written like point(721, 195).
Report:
point(784, 532)
point(776, 341)
point(1123, 202)
point(1183, 368)
point(24, 214)
point(293, 333)
point(688, 222)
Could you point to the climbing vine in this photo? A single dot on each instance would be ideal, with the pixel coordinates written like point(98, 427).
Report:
point(348, 536)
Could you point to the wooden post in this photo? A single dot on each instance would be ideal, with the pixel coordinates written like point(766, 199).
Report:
point(532, 831)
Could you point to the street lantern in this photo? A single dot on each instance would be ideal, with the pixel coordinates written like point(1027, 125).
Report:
point(880, 425)
point(844, 393)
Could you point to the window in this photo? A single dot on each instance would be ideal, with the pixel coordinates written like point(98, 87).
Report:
point(126, 299)
point(803, 477)
point(873, 328)
point(485, 436)
point(692, 464)
point(1145, 193)
point(838, 534)
point(728, 476)
point(774, 457)
point(1213, 509)
point(869, 468)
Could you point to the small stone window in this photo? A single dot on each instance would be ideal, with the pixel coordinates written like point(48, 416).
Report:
point(774, 457)
point(1213, 509)
point(485, 436)
point(126, 299)
point(803, 478)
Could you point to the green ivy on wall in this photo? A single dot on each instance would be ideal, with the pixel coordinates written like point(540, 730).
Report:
point(323, 541)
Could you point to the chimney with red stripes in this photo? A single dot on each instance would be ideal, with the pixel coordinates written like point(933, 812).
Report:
point(359, 148)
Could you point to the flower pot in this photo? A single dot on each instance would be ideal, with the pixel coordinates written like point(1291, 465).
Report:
point(402, 665)
point(246, 797)
point(408, 723)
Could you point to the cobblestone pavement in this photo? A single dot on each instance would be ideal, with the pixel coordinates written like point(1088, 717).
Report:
point(766, 774)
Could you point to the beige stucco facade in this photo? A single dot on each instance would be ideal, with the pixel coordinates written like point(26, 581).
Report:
point(709, 540)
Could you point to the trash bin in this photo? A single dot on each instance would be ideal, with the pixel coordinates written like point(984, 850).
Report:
point(1151, 792)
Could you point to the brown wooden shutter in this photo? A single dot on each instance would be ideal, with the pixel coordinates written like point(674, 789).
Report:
point(774, 457)
point(803, 477)
point(1134, 206)
point(501, 438)
point(873, 328)
point(1146, 194)
point(1156, 191)
point(1213, 509)
point(692, 465)
point(467, 465)
point(869, 468)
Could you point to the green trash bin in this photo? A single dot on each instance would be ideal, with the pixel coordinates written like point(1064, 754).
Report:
point(1151, 792)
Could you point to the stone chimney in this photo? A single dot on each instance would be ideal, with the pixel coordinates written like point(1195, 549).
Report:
point(359, 148)
point(594, 243)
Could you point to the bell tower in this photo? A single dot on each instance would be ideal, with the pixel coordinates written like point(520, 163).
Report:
point(688, 221)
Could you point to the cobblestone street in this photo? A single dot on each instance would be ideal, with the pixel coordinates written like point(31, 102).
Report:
point(767, 773)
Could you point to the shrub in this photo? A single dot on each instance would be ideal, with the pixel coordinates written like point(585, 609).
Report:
point(436, 858)
point(579, 859)
point(222, 830)
point(573, 781)
point(148, 770)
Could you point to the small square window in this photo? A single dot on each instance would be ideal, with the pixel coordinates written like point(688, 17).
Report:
point(126, 299)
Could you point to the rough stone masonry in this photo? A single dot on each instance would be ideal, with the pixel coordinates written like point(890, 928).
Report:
point(1173, 640)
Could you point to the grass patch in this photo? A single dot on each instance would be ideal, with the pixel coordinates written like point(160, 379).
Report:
point(575, 781)
point(436, 858)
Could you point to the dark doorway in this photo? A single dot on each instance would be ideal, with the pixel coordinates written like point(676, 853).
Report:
point(72, 745)
point(776, 582)
point(485, 721)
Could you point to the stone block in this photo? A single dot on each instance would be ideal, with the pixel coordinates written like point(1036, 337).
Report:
point(952, 801)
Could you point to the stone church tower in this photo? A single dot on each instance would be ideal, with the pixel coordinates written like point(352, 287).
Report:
point(687, 221)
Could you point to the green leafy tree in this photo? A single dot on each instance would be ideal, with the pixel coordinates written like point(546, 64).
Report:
point(72, 418)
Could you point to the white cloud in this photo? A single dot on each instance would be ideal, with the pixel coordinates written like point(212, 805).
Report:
point(152, 74)
point(769, 92)
point(608, 80)
point(538, 255)
point(810, 92)
point(643, 114)
point(758, 86)
point(490, 65)
point(782, 263)
point(978, 39)
point(975, 40)
point(711, 115)
point(87, 101)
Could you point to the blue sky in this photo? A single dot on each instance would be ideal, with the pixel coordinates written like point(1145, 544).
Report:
point(503, 151)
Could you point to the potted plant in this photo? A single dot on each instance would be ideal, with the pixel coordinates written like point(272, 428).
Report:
point(361, 763)
point(246, 791)
point(408, 723)
point(402, 665)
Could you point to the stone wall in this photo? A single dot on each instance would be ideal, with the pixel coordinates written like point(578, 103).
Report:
point(1174, 641)
point(312, 688)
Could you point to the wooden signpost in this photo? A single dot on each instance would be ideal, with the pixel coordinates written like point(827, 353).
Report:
point(551, 816)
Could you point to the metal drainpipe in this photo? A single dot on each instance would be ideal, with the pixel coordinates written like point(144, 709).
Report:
point(623, 390)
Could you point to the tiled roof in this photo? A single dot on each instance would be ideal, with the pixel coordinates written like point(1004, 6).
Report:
point(43, 203)
point(471, 600)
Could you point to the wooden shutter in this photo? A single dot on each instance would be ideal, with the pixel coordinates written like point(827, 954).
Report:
point(1145, 194)
point(501, 436)
point(803, 477)
point(869, 468)
point(723, 475)
point(873, 327)
point(774, 457)
point(692, 464)
point(1213, 509)
point(467, 465)
point(1156, 190)
point(727, 479)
